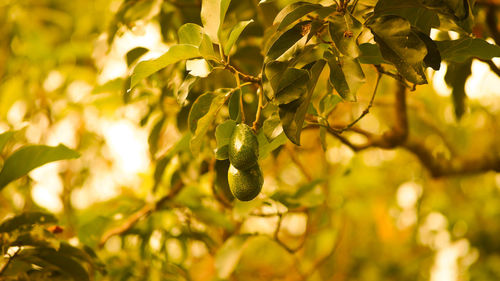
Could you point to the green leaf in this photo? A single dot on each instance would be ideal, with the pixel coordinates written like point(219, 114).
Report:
point(461, 49)
point(174, 54)
point(161, 164)
point(228, 256)
point(26, 219)
point(346, 85)
point(86, 255)
point(213, 218)
point(344, 29)
point(292, 115)
point(456, 76)
point(401, 46)
point(370, 54)
point(417, 14)
point(204, 122)
point(328, 103)
point(266, 147)
point(272, 127)
point(212, 14)
point(223, 134)
point(4, 138)
point(293, 12)
point(190, 34)
point(207, 49)
point(135, 54)
point(286, 40)
point(274, 71)
point(433, 57)
point(154, 135)
point(234, 106)
point(63, 262)
point(183, 90)
point(235, 34)
point(292, 85)
point(30, 157)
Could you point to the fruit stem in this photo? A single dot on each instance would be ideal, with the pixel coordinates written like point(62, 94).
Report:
point(255, 125)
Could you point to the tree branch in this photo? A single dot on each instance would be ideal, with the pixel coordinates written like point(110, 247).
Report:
point(398, 136)
point(141, 214)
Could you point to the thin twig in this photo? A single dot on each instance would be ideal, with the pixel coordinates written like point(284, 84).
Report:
point(243, 76)
point(4, 267)
point(260, 93)
point(141, 214)
point(367, 109)
point(299, 163)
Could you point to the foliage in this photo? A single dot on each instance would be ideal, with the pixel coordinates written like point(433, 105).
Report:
point(335, 102)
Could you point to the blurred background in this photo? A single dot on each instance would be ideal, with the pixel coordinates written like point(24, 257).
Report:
point(372, 215)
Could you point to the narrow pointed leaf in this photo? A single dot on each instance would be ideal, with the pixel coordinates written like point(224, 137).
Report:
point(235, 34)
point(175, 54)
point(402, 47)
point(293, 12)
point(30, 157)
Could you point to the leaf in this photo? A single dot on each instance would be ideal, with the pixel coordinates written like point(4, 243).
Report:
point(274, 71)
point(293, 12)
point(266, 147)
point(135, 54)
point(223, 134)
point(344, 29)
point(433, 57)
point(30, 157)
point(190, 34)
point(286, 40)
point(402, 47)
point(292, 85)
point(234, 106)
point(27, 219)
point(4, 138)
point(272, 127)
point(86, 255)
point(456, 76)
point(161, 164)
point(292, 115)
point(183, 90)
point(461, 49)
point(174, 54)
point(228, 256)
point(207, 49)
point(154, 135)
point(212, 15)
point(235, 34)
point(417, 14)
point(328, 103)
point(345, 85)
point(370, 54)
point(64, 263)
point(213, 218)
point(204, 122)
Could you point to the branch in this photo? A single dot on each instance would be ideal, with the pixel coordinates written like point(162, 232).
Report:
point(398, 136)
point(11, 257)
point(141, 214)
point(492, 66)
point(367, 109)
point(243, 76)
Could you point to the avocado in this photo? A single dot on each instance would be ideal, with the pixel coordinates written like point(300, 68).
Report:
point(243, 147)
point(245, 184)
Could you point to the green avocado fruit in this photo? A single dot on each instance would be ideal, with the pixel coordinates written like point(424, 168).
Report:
point(243, 147)
point(245, 184)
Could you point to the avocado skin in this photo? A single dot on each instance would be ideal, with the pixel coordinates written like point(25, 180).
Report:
point(245, 184)
point(243, 147)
